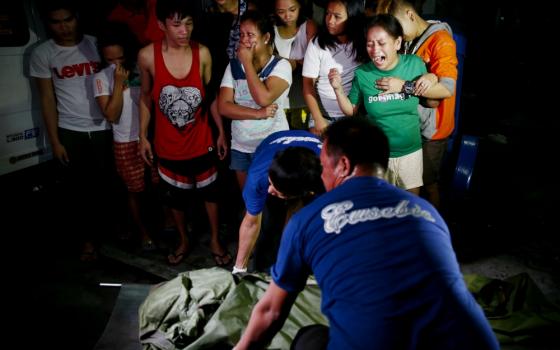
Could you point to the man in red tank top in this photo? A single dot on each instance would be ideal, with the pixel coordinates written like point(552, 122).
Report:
point(174, 72)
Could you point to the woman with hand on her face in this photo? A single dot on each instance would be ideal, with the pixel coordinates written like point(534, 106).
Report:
point(117, 92)
point(252, 92)
point(389, 86)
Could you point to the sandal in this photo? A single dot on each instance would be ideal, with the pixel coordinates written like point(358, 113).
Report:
point(222, 260)
point(176, 258)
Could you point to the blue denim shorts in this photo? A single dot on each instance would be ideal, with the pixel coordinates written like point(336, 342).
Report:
point(240, 161)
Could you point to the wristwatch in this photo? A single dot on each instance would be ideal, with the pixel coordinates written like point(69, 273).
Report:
point(408, 87)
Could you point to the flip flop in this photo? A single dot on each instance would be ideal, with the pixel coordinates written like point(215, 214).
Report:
point(177, 257)
point(224, 257)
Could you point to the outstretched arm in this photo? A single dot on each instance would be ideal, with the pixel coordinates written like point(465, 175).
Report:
point(248, 233)
point(267, 318)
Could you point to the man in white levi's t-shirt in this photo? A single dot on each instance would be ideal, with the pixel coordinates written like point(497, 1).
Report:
point(80, 138)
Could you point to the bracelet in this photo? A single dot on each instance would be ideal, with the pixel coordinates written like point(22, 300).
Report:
point(238, 270)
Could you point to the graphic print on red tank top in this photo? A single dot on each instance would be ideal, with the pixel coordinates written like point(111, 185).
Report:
point(182, 130)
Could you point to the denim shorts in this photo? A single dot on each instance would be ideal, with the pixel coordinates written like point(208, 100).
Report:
point(240, 161)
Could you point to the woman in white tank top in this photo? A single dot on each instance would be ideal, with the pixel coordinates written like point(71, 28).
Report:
point(293, 30)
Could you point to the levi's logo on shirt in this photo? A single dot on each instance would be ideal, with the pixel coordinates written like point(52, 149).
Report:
point(79, 69)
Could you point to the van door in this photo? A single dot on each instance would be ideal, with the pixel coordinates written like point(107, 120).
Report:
point(23, 139)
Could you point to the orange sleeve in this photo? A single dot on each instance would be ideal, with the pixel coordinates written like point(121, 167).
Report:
point(442, 55)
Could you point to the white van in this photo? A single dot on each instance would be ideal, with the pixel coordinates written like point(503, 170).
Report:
point(23, 138)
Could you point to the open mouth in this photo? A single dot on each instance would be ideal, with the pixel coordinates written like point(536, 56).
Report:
point(379, 59)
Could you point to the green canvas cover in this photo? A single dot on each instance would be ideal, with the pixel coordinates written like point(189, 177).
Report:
point(516, 309)
point(210, 308)
point(206, 308)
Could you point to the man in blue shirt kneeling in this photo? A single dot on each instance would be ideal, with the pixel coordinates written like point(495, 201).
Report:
point(382, 257)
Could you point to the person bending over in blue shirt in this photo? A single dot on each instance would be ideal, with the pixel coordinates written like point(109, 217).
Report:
point(286, 165)
point(382, 258)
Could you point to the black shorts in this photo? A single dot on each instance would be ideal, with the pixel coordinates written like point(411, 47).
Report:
point(180, 177)
point(432, 153)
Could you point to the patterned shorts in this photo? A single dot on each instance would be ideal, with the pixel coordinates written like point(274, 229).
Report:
point(131, 166)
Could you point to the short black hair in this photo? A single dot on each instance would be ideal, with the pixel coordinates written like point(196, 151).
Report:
point(116, 33)
point(168, 8)
point(359, 140)
point(54, 5)
point(354, 29)
point(388, 22)
point(305, 12)
point(296, 172)
point(263, 23)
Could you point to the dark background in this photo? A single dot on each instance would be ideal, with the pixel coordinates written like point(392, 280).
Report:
point(508, 91)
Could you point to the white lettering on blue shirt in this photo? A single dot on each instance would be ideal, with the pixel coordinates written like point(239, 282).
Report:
point(338, 215)
point(286, 140)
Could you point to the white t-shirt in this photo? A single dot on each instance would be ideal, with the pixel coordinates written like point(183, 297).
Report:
point(247, 134)
point(317, 64)
point(300, 43)
point(284, 46)
point(71, 69)
point(126, 129)
point(293, 48)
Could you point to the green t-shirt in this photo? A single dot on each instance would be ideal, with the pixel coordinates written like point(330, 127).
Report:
point(396, 114)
